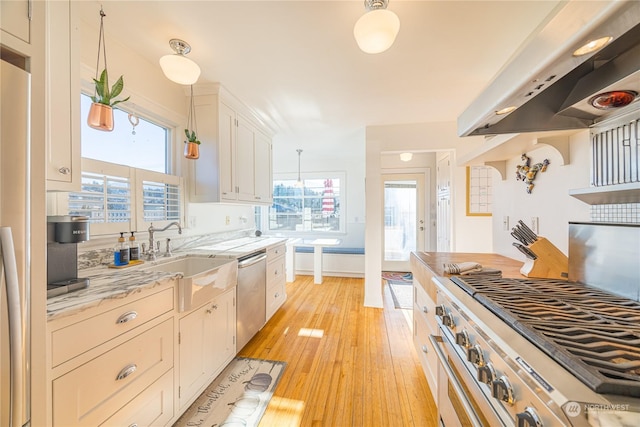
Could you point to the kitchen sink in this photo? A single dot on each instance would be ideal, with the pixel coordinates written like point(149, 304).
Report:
point(203, 278)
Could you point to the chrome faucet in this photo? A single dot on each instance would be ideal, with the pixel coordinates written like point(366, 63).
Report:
point(151, 253)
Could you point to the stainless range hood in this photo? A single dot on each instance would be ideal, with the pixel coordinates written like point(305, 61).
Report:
point(549, 86)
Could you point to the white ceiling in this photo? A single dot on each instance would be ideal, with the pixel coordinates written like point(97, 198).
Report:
point(297, 64)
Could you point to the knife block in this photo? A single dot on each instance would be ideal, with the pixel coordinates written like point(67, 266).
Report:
point(550, 263)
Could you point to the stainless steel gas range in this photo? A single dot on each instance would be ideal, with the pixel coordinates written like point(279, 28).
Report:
point(541, 352)
point(533, 352)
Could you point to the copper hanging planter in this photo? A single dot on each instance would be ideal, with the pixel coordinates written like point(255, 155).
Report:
point(191, 150)
point(192, 144)
point(100, 117)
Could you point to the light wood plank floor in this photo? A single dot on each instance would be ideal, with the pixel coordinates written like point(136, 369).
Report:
point(347, 365)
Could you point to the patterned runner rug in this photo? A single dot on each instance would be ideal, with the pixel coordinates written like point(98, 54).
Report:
point(400, 285)
point(237, 397)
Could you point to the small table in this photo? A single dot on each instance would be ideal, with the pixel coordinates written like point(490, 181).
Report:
point(318, 244)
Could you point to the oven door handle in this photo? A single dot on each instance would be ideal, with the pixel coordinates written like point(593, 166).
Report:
point(435, 342)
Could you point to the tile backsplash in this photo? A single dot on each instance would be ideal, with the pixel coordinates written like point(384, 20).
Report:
point(624, 213)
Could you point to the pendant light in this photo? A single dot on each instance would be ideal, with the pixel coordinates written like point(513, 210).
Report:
point(177, 67)
point(299, 182)
point(377, 29)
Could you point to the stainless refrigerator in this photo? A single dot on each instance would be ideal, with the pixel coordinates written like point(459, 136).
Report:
point(14, 246)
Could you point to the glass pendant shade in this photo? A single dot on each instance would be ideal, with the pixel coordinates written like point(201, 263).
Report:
point(180, 69)
point(376, 30)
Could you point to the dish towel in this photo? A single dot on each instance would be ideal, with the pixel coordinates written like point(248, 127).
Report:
point(462, 267)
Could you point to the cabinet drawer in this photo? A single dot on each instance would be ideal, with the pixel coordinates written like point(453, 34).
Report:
point(152, 407)
point(276, 271)
point(426, 352)
point(426, 308)
point(91, 393)
point(276, 296)
point(80, 337)
point(276, 251)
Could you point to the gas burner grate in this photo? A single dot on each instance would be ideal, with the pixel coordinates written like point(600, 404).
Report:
point(523, 307)
point(591, 333)
point(605, 358)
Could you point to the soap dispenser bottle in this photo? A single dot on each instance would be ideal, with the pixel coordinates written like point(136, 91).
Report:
point(121, 252)
point(134, 248)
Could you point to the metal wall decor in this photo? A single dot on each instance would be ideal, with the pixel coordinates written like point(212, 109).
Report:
point(528, 172)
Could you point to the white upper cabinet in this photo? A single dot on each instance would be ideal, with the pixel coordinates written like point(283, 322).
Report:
point(62, 97)
point(15, 18)
point(235, 153)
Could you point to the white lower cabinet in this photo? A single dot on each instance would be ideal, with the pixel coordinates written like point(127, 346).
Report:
point(207, 345)
point(424, 325)
point(113, 364)
point(276, 293)
point(90, 394)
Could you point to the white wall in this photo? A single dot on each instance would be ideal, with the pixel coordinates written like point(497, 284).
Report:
point(549, 199)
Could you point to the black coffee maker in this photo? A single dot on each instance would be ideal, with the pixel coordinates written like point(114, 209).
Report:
point(64, 232)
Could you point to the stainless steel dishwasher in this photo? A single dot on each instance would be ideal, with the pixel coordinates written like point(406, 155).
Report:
point(251, 305)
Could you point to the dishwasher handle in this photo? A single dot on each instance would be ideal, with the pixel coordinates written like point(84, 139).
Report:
point(248, 262)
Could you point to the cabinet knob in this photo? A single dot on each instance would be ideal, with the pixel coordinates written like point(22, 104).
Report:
point(64, 170)
point(277, 295)
point(126, 371)
point(425, 349)
point(127, 317)
point(425, 309)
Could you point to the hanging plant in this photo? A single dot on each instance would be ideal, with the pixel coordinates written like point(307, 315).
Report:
point(101, 112)
point(192, 144)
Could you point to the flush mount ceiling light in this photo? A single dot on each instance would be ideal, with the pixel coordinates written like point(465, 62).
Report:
point(377, 29)
point(177, 67)
point(506, 110)
point(405, 157)
point(592, 46)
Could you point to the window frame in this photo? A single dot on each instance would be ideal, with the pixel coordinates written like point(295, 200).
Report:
point(340, 175)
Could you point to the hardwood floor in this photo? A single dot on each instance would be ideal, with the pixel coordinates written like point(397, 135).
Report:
point(347, 365)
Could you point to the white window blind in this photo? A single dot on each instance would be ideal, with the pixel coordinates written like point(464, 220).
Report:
point(102, 199)
point(162, 198)
point(119, 198)
point(160, 202)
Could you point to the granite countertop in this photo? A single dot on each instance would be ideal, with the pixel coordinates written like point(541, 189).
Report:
point(111, 283)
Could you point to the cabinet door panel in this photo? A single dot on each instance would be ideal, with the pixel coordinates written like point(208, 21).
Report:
point(14, 18)
point(263, 169)
point(227, 137)
point(195, 352)
point(245, 158)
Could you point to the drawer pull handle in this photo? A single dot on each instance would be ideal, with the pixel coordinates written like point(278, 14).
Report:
point(277, 295)
point(134, 425)
point(64, 170)
point(126, 371)
point(213, 307)
point(127, 317)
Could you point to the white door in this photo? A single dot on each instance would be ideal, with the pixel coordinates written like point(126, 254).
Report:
point(404, 226)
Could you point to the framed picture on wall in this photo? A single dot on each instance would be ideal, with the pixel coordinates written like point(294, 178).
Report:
point(479, 191)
